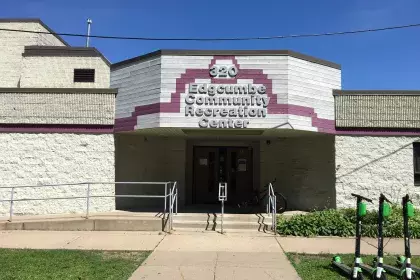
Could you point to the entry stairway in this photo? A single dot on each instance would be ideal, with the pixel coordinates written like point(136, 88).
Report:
point(201, 222)
point(132, 221)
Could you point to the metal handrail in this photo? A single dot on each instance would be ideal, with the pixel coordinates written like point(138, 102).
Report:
point(88, 196)
point(272, 207)
point(222, 199)
point(85, 183)
point(173, 201)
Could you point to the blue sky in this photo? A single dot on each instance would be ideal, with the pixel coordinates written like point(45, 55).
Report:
point(381, 60)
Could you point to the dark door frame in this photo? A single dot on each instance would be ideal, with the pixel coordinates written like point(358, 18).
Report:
point(254, 144)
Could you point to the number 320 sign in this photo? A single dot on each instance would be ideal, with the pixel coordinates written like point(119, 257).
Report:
point(223, 71)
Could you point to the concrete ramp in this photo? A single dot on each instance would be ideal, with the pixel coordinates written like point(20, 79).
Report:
point(111, 221)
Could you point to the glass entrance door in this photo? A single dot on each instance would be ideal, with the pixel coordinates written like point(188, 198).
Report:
point(222, 164)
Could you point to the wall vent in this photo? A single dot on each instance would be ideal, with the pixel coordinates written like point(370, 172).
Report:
point(84, 75)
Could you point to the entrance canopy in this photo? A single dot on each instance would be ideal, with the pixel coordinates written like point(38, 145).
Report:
point(256, 90)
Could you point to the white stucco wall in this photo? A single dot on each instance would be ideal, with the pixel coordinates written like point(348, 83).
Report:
point(369, 165)
point(54, 158)
point(58, 72)
point(12, 46)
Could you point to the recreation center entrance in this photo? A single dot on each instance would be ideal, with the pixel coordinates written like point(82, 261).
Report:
point(241, 117)
point(212, 165)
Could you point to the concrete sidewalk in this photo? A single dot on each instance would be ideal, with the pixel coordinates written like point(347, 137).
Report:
point(339, 245)
point(216, 256)
point(186, 255)
point(81, 240)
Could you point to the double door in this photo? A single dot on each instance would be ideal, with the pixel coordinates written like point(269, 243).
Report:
point(222, 164)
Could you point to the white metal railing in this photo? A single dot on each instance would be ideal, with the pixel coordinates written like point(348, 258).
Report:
point(222, 199)
point(172, 195)
point(272, 207)
point(173, 204)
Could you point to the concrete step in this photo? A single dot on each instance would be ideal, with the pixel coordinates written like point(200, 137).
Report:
point(225, 230)
point(216, 216)
point(212, 222)
point(216, 226)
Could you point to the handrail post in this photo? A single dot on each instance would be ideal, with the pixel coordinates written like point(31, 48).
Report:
point(170, 211)
point(269, 200)
point(176, 201)
point(222, 199)
point(275, 215)
point(87, 200)
point(11, 204)
point(166, 193)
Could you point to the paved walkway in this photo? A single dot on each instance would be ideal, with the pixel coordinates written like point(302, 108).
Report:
point(338, 245)
point(201, 255)
point(81, 240)
point(216, 256)
point(176, 256)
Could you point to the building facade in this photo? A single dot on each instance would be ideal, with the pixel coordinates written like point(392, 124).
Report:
point(198, 118)
point(246, 117)
point(56, 120)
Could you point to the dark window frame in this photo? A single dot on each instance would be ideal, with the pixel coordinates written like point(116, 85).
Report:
point(416, 163)
point(84, 75)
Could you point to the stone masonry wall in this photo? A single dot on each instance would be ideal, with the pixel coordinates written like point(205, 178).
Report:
point(34, 159)
point(369, 165)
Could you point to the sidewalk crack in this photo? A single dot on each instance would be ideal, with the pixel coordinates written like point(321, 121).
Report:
point(269, 275)
point(215, 265)
point(159, 242)
point(180, 272)
point(72, 240)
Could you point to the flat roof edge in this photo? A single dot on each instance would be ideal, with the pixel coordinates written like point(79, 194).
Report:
point(338, 92)
point(59, 90)
point(64, 51)
point(294, 54)
point(36, 20)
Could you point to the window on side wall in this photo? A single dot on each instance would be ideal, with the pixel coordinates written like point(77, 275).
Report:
point(84, 75)
point(416, 155)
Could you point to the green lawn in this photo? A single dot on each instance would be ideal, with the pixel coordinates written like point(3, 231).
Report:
point(318, 267)
point(68, 264)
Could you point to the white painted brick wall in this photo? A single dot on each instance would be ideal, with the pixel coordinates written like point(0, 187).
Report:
point(369, 165)
point(58, 71)
point(295, 81)
point(12, 46)
point(137, 84)
point(33, 159)
point(311, 84)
